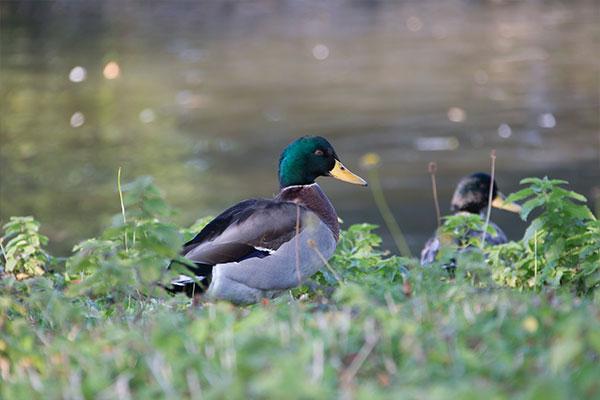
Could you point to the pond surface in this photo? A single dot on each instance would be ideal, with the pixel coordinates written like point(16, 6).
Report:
point(204, 96)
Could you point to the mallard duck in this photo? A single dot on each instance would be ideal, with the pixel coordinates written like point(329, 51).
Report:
point(258, 248)
point(472, 196)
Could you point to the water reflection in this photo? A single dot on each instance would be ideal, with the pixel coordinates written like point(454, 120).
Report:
point(204, 96)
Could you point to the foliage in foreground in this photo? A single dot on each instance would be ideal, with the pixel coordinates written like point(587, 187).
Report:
point(371, 325)
point(23, 253)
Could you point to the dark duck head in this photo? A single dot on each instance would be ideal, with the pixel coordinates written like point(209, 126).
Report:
point(301, 163)
point(309, 157)
point(472, 195)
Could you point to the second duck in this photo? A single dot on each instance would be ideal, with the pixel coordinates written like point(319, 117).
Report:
point(472, 196)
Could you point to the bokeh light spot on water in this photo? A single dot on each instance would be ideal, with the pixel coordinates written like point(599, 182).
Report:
point(111, 70)
point(546, 120)
point(77, 119)
point(370, 160)
point(457, 114)
point(437, 143)
point(77, 74)
point(504, 131)
point(147, 115)
point(320, 52)
point(414, 24)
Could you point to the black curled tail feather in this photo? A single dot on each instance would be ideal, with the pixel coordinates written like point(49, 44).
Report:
point(190, 287)
point(197, 283)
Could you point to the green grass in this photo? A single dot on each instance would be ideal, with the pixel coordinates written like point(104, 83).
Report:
point(523, 324)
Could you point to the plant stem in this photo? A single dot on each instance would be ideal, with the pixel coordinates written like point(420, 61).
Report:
point(3, 251)
point(489, 207)
point(122, 206)
point(432, 171)
point(535, 264)
point(313, 245)
point(349, 373)
point(386, 214)
point(296, 242)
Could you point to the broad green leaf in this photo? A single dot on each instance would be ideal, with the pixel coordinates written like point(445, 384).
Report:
point(535, 226)
point(529, 206)
point(520, 195)
point(535, 181)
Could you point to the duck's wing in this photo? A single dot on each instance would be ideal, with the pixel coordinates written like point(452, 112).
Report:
point(252, 228)
point(433, 245)
point(498, 238)
point(491, 239)
point(430, 250)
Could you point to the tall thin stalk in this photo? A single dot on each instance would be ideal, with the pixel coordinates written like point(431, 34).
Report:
point(535, 261)
point(432, 170)
point(313, 245)
point(297, 244)
point(122, 206)
point(386, 213)
point(2, 249)
point(489, 207)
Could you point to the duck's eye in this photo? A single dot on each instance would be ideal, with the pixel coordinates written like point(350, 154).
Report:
point(319, 152)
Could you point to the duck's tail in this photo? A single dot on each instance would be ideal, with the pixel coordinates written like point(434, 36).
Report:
point(196, 284)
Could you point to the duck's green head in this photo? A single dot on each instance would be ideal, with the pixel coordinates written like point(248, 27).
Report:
point(473, 192)
point(309, 157)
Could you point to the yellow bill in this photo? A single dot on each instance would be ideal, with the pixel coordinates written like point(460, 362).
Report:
point(502, 204)
point(343, 174)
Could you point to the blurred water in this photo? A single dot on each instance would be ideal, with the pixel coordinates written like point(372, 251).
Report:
point(203, 96)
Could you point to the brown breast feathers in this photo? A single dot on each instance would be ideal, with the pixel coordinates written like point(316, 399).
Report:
point(313, 198)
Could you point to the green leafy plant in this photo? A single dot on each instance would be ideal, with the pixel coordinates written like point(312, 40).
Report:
point(462, 248)
point(463, 230)
point(22, 248)
point(131, 256)
point(358, 259)
point(562, 243)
